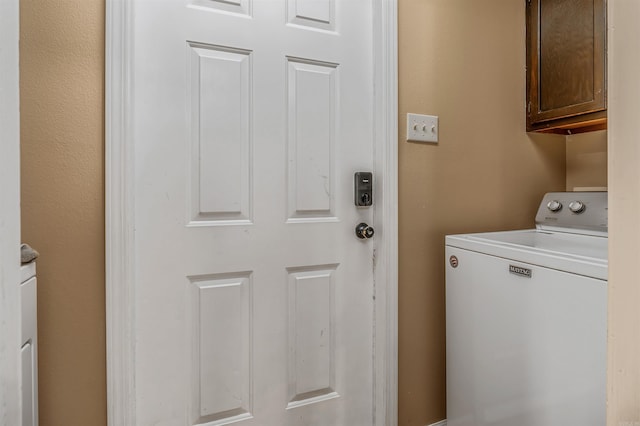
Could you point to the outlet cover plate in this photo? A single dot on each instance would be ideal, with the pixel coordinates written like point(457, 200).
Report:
point(422, 128)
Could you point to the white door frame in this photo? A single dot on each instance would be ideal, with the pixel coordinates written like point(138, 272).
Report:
point(10, 401)
point(120, 292)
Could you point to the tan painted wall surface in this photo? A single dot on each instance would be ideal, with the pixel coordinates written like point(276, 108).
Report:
point(465, 62)
point(587, 160)
point(62, 63)
point(623, 393)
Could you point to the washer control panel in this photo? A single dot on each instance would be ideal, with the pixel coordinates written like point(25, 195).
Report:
point(575, 210)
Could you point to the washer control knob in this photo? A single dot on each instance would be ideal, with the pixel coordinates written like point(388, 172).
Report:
point(554, 206)
point(577, 207)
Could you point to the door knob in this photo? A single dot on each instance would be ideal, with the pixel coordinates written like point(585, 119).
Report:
point(364, 231)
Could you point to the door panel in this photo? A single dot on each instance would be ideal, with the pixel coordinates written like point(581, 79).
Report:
point(220, 94)
point(221, 347)
point(312, 13)
point(311, 334)
point(254, 298)
point(312, 106)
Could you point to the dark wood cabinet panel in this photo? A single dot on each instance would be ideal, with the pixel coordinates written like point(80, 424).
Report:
point(566, 65)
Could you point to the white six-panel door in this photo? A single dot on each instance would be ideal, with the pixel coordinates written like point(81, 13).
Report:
point(254, 298)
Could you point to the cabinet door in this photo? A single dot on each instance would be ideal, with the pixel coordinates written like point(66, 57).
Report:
point(566, 69)
point(29, 352)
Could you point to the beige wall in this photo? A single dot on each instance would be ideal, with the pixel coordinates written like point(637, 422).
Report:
point(623, 393)
point(587, 160)
point(62, 62)
point(465, 62)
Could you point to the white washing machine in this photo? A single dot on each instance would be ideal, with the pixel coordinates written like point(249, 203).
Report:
point(527, 319)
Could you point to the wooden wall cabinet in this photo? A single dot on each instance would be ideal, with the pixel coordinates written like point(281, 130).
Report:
point(566, 66)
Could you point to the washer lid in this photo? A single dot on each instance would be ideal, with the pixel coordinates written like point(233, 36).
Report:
point(574, 253)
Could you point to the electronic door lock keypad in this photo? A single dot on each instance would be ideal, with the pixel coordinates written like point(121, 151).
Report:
point(363, 189)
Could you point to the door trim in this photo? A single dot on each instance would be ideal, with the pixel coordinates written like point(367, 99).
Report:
point(10, 361)
point(119, 214)
point(385, 50)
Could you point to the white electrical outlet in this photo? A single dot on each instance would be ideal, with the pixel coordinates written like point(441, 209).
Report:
point(422, 128)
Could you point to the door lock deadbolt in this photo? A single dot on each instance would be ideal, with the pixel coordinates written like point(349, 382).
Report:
point(363, 189)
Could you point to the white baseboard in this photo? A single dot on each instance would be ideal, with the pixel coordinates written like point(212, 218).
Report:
point(440, 423)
